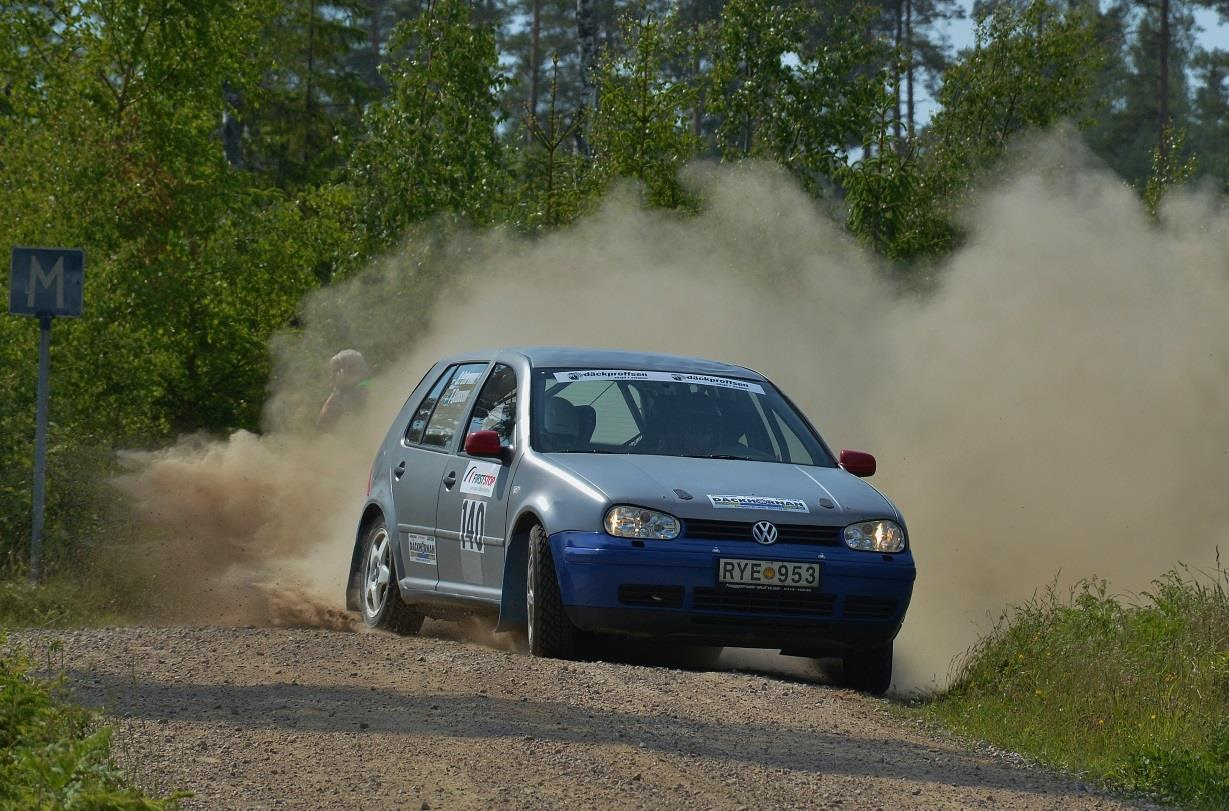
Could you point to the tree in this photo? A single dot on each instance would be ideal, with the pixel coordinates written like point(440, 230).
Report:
point(1029, 68)
point(1209, 125)
point(1146, 91)
point(431, 145)
point(781, 95)
point(921, 52)
point(109, 139)
point(313, 93)
point(642, 128)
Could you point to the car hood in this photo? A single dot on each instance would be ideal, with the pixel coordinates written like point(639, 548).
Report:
point(693, 488)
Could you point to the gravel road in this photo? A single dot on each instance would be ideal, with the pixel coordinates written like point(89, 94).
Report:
point(274, 718)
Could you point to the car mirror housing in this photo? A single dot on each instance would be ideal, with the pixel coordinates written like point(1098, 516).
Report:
point(485, 444)
point(858, 463)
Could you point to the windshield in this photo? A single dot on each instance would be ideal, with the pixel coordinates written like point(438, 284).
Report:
point(668, 414)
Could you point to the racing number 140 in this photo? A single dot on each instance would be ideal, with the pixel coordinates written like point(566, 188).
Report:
point(473, 523)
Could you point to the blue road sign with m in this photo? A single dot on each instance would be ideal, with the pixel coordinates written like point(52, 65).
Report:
point(46, 281)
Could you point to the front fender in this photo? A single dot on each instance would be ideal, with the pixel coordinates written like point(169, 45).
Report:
point(372, 511)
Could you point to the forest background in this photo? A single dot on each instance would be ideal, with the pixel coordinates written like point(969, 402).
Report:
point(220, 159)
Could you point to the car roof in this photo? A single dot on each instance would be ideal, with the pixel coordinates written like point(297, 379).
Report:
point(585, 357)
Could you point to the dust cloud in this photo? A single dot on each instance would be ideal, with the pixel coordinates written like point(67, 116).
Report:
point(1056, 404)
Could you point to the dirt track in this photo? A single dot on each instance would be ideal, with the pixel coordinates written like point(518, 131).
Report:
point(268, 718)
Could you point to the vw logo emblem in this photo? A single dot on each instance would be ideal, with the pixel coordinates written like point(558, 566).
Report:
point(764, 532)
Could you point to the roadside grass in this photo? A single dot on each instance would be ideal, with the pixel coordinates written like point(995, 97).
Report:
point(1130, 692)
point(62, 602)
point(53, 753)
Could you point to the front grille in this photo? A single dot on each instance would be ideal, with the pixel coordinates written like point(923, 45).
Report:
point(869, 608)
point(759, 601)
point(651, 595)
point(741, 531)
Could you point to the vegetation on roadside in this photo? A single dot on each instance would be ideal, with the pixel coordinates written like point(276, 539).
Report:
point(55, 754)
point(1133, 692)
point(64, 602)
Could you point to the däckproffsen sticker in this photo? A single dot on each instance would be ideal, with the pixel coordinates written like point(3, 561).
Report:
point(786, 505)
point(578, 375)
point(420, 548)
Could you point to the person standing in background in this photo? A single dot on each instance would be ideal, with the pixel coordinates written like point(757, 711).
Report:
point(349, 374)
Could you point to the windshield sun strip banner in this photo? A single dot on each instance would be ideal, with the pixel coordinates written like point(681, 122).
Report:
point(788, 505)
point(577, 375)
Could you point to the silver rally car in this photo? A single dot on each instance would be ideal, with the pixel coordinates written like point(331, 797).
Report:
point(575, 492)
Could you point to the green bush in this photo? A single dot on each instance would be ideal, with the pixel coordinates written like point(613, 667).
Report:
point(54, 754)
point(1134, 693)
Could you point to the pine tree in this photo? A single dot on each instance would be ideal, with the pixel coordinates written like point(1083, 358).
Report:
point(314, 92)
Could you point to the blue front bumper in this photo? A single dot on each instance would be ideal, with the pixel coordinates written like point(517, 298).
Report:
point(669, 590)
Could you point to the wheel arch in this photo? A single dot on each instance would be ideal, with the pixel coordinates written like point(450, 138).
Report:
point(372, 513)
point(512, 614)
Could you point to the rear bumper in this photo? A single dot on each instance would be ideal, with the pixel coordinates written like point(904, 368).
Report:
point(669, 590)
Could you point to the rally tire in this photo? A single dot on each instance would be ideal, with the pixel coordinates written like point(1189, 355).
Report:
point(379, 596)
point(869, 671)
point(549, 632)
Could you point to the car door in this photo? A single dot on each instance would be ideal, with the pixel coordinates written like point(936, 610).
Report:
point(417, 464)
point(471, 513)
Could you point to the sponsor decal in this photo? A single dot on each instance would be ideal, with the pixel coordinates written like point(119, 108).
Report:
point(420, 548)
point(479, 478)
point(786, 505)
point(473, 524)
point(601, 374)
point(663, 377)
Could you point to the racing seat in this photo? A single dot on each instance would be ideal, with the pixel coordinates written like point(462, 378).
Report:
point(588, 424)
point(560, 426)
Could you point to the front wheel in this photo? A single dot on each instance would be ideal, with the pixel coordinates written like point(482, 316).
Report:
point(869, 671)
point(382, 605)
point(548, 630)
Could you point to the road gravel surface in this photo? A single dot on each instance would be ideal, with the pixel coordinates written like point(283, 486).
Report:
point(265, 718)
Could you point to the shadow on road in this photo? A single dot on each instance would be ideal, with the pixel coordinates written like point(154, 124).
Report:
point(770, 740)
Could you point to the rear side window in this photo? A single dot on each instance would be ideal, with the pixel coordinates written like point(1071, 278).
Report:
point(413, 434)
point(443, 422)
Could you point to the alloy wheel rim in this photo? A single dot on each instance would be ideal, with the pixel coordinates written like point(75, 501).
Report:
point(379, 574)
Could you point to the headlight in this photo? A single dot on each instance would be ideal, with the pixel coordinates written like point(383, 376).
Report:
point(875, 536)
point(637, 522)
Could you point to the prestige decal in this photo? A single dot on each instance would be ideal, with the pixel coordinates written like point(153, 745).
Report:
point(479, 478)
point(662, 377)
point(420, 548)
point(787, 505)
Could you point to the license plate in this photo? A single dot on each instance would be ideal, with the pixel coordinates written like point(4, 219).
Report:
point(768, 573)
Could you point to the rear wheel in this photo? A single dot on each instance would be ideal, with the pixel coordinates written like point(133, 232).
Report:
point(869, 671)
point(381, 600)
point(548, 630)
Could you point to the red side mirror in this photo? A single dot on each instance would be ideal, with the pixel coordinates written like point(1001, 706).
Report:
point(858, 463)
point(483, 443)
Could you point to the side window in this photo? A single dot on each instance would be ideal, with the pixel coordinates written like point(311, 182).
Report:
point(495, 409)
point(418, 424)
point(442, 425)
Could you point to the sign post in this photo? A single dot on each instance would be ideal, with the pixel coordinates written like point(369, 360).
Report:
point(45, 283)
